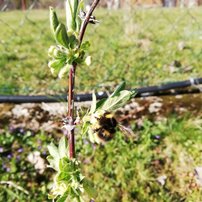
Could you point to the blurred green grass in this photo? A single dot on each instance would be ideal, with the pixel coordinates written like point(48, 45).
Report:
point(124, 170)
point(137, 45)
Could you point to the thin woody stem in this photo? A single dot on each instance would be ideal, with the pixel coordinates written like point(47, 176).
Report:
point(70, 114)
point(85, 22)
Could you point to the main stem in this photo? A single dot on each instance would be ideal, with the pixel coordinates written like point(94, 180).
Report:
point(70, 114)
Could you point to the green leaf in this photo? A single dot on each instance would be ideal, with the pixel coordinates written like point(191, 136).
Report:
point(73, 41)
point(85, 128)
point(78, 19)
point(115, 102)
point(71, 23)
point(56, 65)
point(100, 103)
point(53, 150)
point(61, 35)
point(64, 71)
point(57, 53)
point(63, 197)
point(78, 24)
point(118, 89)
point(85, 45)
point(64, 176)
point(115, 93)
point(75, 194)
point(53, 163)
point(54, 22)
point(74, 57)
point(65, 165)
point(81, 5)
point(54, 157)
point(75, 11)
point(63, 147)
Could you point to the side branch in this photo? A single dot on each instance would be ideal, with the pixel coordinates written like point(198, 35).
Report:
point(85, 22)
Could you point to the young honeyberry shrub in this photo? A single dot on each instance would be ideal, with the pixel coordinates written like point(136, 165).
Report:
point(67, 50)
point(69, 184)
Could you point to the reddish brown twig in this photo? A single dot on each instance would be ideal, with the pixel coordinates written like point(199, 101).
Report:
point(85, 22)
point(70, 114)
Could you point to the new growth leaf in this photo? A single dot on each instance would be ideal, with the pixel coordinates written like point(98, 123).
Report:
point(67, 50)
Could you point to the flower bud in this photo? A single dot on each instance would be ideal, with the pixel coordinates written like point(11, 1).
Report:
point(51, 51)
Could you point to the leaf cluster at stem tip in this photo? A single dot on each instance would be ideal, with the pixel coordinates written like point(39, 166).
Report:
point(67, 50)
